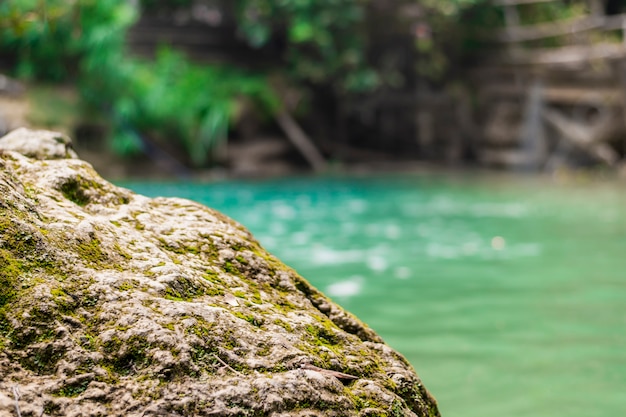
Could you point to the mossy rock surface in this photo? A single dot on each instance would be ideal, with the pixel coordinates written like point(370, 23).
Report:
point(115, 304)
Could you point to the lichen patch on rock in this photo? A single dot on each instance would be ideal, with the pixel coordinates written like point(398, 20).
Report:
point(114, 304)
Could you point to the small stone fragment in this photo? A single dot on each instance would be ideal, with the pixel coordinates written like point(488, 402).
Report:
point(231, 300)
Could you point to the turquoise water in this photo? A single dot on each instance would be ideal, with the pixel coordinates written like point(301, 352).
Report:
point(508, 296)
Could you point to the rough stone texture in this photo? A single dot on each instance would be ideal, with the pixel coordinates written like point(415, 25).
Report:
point(38, 144)
point(114, 304)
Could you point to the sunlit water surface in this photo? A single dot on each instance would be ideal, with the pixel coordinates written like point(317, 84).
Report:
point(508, 296)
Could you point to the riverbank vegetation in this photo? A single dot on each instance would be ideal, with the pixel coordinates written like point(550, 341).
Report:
point(335, 56)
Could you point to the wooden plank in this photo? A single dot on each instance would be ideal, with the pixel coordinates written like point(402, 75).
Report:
point(614, 22)
point(511, 16)
point(532, 133)
point(504, 157)
point(548, 29)
point(490, 72)
point(592, 95)
point(566, 55)
point(582, 136)
point(544, 30)
point(519, 2)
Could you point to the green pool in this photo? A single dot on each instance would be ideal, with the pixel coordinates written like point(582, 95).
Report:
point(508, 295)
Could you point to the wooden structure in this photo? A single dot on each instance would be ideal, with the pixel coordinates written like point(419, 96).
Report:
point(546, 106)
point(537, 106)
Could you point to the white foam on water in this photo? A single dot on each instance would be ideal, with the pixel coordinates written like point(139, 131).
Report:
point(321, 255)
point(508, 210)
point(357, 206)
point(278, 229)
point(377, 263)
point(349, 228)
point(392, 231)
point(283, 211)
point(348, 288)
point(300, 238)
point(402, 272)
point(437, 250)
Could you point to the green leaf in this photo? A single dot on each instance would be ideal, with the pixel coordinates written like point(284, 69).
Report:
point(301, 32)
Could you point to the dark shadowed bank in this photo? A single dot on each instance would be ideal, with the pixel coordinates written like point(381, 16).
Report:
point(114, 304)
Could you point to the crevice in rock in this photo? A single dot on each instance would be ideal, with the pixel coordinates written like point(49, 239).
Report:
point(342, 319)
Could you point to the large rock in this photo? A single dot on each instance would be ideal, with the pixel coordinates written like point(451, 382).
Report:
point(115, 304)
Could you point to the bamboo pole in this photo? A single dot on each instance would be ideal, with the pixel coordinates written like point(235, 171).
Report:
point(300, 140)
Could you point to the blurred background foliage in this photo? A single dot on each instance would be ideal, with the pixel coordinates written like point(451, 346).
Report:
point(325, 40)
point(84, 41)
point(323, 43)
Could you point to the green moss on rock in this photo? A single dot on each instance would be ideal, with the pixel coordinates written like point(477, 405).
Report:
point(9, 277)
point(90, 251)
point(74, 189)
point(117, 303)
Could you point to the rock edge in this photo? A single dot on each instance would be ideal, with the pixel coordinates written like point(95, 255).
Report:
point(114, 304)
